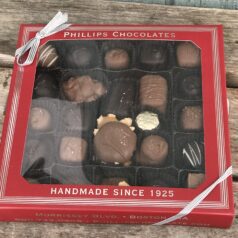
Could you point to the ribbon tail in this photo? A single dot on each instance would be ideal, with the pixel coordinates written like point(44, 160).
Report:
point(197, 200)
point(58, 20)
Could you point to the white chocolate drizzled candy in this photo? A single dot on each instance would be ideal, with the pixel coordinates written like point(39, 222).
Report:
point(47, 56)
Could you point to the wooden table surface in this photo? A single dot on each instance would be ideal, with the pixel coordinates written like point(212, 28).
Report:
point(12, 13)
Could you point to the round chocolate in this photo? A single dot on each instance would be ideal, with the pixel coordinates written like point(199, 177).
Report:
point(45, 86)
point(115, 143)
point(188, 55)
point(192, 86)
point(73, 149)
point(47, 56)
point(153, 151)
point(117, 59)
point(153, 54)
point(79, 56)
point(40, 119)
point(191, 118)
point(83, 89)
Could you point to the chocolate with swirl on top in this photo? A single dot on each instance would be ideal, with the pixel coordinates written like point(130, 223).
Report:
point(48, 56)
point(193, 153)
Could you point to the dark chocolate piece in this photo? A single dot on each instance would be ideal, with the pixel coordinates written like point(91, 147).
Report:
point(47, 56)
point(188, 55)
point(116, 59)
point(191, 118)
point(79, 56)
point(191, 86)
point(154, 92)
point(195, 179)
point(121, 98)
point(193, 154)
point(153, 150)
point(73, 149)
point(83, 89)
point(153, 54)
point(45, 86)
point(115, 143)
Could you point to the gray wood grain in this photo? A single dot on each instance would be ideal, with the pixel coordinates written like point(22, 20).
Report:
point(111, 12)
point(53, 230)
point(225, 4)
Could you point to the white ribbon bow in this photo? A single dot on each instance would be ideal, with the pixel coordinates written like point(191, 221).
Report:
point(197, 200)
point(54, 26)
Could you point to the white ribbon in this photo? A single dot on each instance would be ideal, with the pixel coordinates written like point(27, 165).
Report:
point(54, 26)
point(194, 203)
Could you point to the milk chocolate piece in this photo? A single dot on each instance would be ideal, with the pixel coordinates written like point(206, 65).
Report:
point(193, 154)
point(115, 181)
point(121, 98)
point(188, 55)
point(191, 118)
point(47, 56)
point(153, 150)
point(79, 56)
point(73, 149)
point(191, 86)
point(45, 86)
point(115, 143)
point(40, 119)
point(147, 120)
point(117, 59)
point(83, 89)
point(195, 179)
point(153, 54)
point(154, 92)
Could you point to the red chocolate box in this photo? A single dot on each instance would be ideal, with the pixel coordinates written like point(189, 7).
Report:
point(118, 124)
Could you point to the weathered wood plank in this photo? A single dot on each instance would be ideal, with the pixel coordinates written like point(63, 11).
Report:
point(5, 77)
point(53, 230)
point(111, 12)
point(226, 4)
point(232, 95)
point(6, 60)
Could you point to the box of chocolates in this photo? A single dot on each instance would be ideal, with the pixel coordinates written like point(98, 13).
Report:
point(118, 124)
